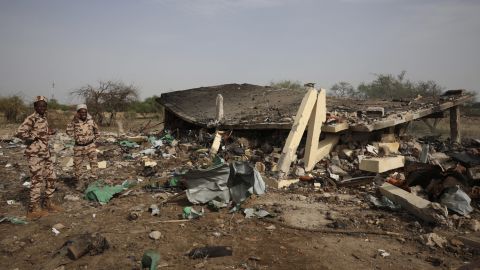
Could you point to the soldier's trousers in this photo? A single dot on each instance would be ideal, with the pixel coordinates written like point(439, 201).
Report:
point(41, 169)
point(82, 153)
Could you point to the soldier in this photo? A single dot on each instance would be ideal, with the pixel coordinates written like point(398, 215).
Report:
point(34, 131)
point(85, 132)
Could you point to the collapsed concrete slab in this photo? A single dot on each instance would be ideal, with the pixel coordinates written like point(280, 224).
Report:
point(248, 106)
point(419, 207)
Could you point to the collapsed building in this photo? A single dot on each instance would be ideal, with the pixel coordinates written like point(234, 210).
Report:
point(357, 141)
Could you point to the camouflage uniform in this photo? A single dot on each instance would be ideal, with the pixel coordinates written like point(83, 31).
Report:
point(85, 133)
point(34, 130)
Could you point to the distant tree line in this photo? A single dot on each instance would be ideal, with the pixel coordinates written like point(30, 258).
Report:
point(104, 101)
point(387, 86)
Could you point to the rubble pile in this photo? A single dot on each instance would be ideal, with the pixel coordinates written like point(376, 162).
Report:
point(424, 182)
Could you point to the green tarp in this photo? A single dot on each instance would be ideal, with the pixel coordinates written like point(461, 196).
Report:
point(100, 192)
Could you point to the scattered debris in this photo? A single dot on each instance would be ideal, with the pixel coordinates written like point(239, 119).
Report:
point(13, 220)
point(101, 192)
point(150, 259)
point(433, 239)
point(210, 252)
point(155, 211)
point(155, 235)
point(383, 253)
point(93, 244)
point(190, 213)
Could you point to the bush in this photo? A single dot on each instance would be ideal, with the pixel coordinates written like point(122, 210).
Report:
point(13, 108)
point(287, 84)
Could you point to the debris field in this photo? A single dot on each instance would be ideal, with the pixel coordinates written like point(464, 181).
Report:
point(202, 196)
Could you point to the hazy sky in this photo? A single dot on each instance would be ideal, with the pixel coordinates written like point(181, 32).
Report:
point(165, 45)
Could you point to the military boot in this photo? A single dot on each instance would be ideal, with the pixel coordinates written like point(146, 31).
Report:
point(36, 212)
point(51, 207)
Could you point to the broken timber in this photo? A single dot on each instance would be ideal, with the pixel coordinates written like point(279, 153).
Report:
point(296, 133)
point(312, 110)
point(382, 164)
point(414, 204)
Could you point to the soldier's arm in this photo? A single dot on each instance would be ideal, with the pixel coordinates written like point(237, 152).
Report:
point(95, 131)
point(70, 129)
point(24, 131)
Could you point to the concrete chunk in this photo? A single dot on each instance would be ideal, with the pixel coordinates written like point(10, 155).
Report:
point(414, 204)
point(382, 164)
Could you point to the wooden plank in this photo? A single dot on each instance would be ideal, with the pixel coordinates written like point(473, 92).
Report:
point(335, 128)
point(325, 147)
point(455, 124)
point(382, 164)
point(414, 204)
point(317, 117)
point(296, 133)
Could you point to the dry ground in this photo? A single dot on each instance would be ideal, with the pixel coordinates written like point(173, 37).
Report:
point(34, 246)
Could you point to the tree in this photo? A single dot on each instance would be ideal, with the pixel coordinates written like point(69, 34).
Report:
point(287, 84)
point(53, 104)
point(397, 87)
point(343, 89)
point(13, 108)
point(110, 97)
point(149, 105)
point(429, 88)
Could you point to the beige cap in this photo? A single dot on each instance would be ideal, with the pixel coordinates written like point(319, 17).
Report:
point(40, 98)
point(81, 106)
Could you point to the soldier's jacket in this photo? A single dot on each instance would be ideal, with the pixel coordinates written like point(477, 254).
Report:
point(34, 131)
point(84, 132)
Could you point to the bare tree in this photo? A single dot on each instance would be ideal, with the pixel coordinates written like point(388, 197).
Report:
point(109, 97)
point(343, 89)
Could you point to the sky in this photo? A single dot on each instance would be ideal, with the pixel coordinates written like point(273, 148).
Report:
point(166, 45)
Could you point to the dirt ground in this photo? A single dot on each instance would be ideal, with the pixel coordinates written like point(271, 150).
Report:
point(313, 229)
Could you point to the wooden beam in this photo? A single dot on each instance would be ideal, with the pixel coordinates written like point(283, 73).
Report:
point(455, 124)
point(382, 164)
point(335, 128)
point(318, 116)
point(325, 147)
point(414, 204)
point(296, 133)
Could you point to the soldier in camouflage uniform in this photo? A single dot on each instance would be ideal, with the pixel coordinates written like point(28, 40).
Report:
point(85, 132)
point(34, 131)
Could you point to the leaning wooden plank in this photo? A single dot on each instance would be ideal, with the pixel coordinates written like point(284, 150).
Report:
point(414, 204)
point(324, 148)
point(318, 116)
point(296, 133)
point(335, 128)
point(382, 164)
